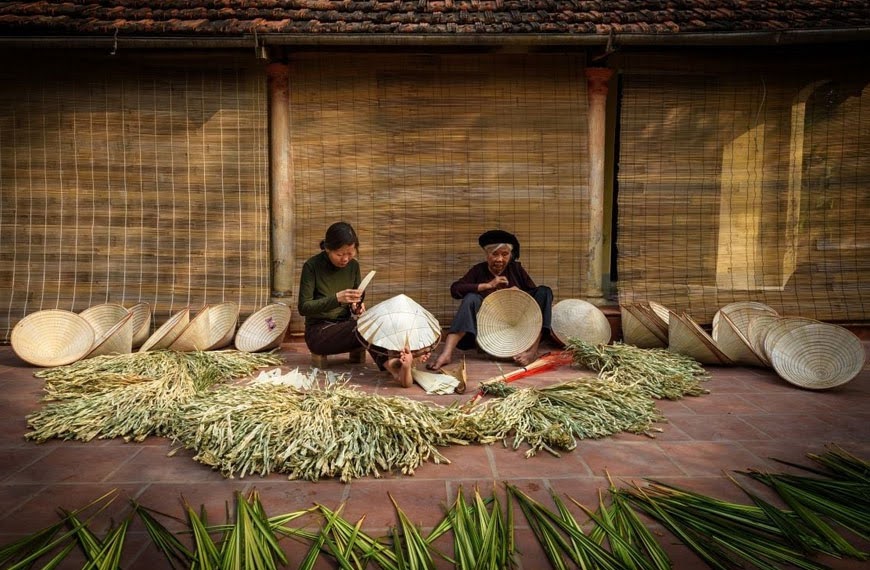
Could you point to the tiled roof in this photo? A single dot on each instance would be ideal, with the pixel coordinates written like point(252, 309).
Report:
point(237, 18)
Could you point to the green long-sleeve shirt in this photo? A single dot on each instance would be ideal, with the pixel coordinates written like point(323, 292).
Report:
point(319, 283)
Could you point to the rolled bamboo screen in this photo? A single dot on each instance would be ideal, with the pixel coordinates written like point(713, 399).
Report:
point(423, 153)
point(132, 180)
point(745, 184)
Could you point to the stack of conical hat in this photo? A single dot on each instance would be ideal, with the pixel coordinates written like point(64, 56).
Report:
point(196, 335)
point(222, 319)
point(141, 323)
point(643, 326)
point(264, 329)
point(397, 322)
point(741, 312)
point(166, 333)
point(686, 337)
point(735, 344)
point(116, 340)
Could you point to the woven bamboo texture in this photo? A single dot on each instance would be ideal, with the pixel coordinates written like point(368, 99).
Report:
point(132, 179)
point(744, 182)
point(421, 154)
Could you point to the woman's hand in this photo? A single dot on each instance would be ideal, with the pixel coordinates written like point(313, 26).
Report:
point(499, 282)
point(349, 296)
point(358, 308)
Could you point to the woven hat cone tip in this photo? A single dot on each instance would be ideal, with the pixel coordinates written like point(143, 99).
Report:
point(195, 335)
point(635, 332)
point(222, 319)
point(508, 323)
point(818, 356)
point(778, 328)
point(52, 337)
point(264, 329)
point(104, 316)
point(166, 333)
point(141, 322)
point(581, 320)
point(116, 340)
point(399, 320)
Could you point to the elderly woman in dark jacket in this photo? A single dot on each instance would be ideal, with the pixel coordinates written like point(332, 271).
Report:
point(500, 270)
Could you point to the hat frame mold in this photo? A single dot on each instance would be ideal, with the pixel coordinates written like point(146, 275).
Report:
point(116, 340)
point(736, 346)
point(264, 329)
point(818, 356)
point(104, 316)
point(780, 327)
point(195, 336)
point(579, 319)
point(379, 331)
point(515, 309)
point(635, 332)
point(141, 322)
point(222, 320)
point(39, 337)
point(686, 337)
point(166, 333)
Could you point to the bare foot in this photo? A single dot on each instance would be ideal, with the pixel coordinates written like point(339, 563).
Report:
point(400, 368)
point(443, 359)
point(527, 357)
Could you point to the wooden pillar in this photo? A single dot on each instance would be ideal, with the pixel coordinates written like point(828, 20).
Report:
point(281, 183)
point(596, 88)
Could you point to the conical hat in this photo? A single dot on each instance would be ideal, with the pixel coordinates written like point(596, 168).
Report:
point(759, 326)
point(391, 324)
point(735, 346)
point(686, 337)
point(662, 312)
point(141, 322)
point(740, 312)
point(818, 356)
point(778, 328)
point(195, 335)
point(508, 323)
point(116, 340)
point(104, 316)
point(222, 319)
point(635, 332)
point(166, 334)
point(52, 337)
point(264, 329)
point(575, 318)
point(645, 314)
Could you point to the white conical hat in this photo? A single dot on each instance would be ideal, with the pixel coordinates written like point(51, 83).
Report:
point(579, 319)
point(399, 320)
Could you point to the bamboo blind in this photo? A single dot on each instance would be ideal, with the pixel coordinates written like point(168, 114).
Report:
point(746, 185)
point(423, 153)
point(128, 181)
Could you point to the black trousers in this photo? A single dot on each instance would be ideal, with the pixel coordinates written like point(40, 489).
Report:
point(465, 319)
point(337, 337)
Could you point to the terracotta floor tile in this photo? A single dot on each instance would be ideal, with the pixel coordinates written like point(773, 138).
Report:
point(75, 464)
point(718, 427)
point(626, 459)
point(423, 501)
point(706, 457)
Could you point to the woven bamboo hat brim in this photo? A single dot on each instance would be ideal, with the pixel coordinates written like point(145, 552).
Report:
point(195, 335)
point(759, 326)
point(222, 318)
point(740, 312)
point(141, 323)
point(578, 319)
point(264, 329)
point(166, 333)
point(736, 346)
point(398, 320)
point(645, 314)
point(508, 323)
point(778, 328)
point(818, 356)
point(116, 340)
point(635, 332)
point(52, 337)
point(686, 337)
point(104, 316)
point(662, 312)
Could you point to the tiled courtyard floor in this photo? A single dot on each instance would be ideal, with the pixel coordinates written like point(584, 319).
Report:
point(749, 416)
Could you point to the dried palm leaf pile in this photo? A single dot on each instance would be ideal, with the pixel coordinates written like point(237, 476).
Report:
point(481, 530)
point(131, 395)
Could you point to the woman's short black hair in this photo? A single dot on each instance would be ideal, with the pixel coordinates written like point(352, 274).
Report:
point(339, 235)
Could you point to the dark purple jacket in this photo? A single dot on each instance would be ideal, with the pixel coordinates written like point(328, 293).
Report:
point(515, 273)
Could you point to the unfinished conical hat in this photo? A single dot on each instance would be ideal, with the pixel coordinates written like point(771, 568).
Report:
point(740, 313)
point(195, 335)
point(116, 340)
point(222, 319)
point(141, 323)
point(166, 334)
point(52, 337)
point(508, 323)
point(818, 356)
point(104, 316)
point(581, 320)
point(778, 328)
point(686, 337)
point(635, 332)
point(759, 325)
point(735, 345)
point(264, 329)
point(398, 321)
